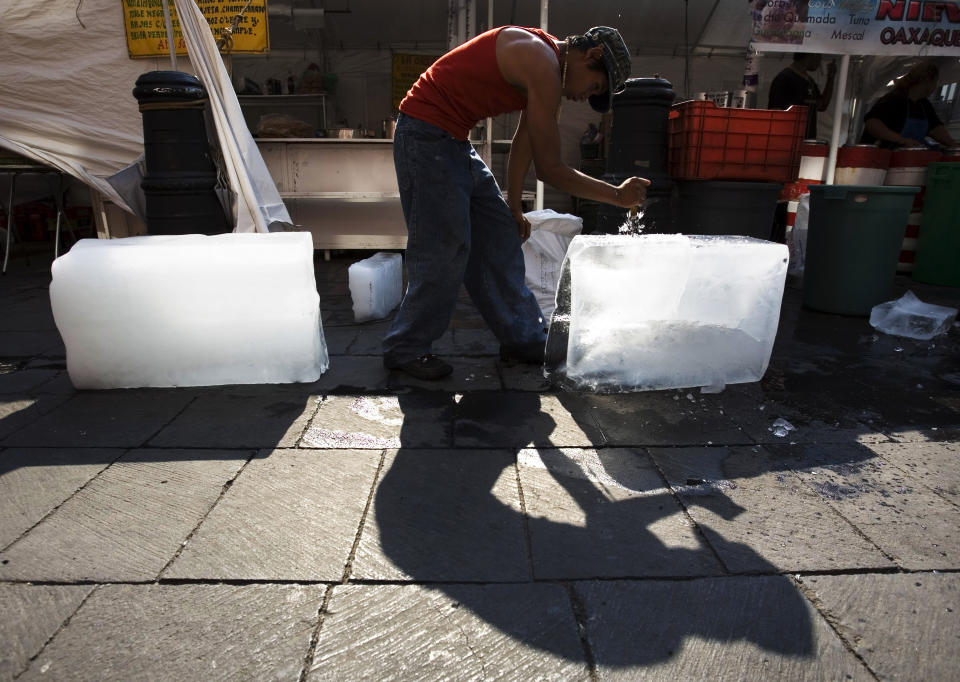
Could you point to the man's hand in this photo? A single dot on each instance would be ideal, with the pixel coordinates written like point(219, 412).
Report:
point(522, 223)
point(631, 192)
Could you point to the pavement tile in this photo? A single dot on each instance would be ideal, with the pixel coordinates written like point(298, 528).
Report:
point(128, 522)
point(34, 481)
point(606, 513)
point(18, 411)
point(26, 344)
point(416, 419)
point(751, 409)
point(661, 418)
point(941, 432)
point(25, 381)
point(760, 518)
point(933, 464)
point(241, 417)
point(904, 627)
point(338, 339)
point(350, 374)
point(469, 374)
point(184, 632)
point(738, 628)
point(915, 407)
point(897, 512)
point(445, 516)
point(121, 418)
point(520, 377)
point(290, 515)
point(368, 338)
point(499, 419)
point(462, 632)
point(475, 342)
point(30, 314)
point(32, 614)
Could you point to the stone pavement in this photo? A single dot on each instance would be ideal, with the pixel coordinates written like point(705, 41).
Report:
point(485, 526)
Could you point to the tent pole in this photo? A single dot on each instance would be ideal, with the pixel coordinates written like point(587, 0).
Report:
point(173, 49)
point(837, 118)
point(544, 10)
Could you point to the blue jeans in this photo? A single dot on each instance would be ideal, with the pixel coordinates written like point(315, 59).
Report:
point(459, 231)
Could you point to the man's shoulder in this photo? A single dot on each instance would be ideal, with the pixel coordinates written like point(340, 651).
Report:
point(786, 77)
point(519, 37)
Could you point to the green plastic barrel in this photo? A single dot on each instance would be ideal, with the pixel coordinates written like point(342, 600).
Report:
point(854, 235)
point(937, 260)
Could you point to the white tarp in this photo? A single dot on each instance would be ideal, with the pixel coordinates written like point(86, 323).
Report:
point(857, 27)
point(66, 83)
point(258, 201)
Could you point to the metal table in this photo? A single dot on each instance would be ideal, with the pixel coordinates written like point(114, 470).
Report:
point(15, 167)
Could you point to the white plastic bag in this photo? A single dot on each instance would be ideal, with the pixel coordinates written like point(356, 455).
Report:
point(543, 253)
point(797, 237)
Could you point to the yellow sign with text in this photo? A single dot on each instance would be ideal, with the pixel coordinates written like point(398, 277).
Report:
point(147, 30)
point(406, 70)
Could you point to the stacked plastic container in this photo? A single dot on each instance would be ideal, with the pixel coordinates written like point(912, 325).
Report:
point(908, 167)
point(739, 156)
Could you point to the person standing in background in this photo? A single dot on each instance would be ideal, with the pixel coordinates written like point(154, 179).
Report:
point(795, 85)
point(904, 116)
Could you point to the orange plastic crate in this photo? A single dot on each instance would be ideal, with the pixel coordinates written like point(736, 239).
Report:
point(708, 142)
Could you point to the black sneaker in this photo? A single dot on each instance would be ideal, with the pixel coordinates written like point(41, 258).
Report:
point(531, 354)
point(427, 367)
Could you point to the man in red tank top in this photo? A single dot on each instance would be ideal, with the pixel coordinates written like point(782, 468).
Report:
point(460, 228)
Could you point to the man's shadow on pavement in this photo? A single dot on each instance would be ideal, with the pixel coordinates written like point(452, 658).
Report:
point(449, 518)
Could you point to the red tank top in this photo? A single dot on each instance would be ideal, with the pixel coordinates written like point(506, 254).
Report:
point(465, 85)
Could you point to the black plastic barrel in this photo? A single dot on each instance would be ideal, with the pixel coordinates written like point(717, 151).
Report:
point(638, 147)
point(180, 173)
point(721, 207)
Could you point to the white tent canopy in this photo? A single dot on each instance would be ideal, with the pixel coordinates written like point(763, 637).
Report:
point(66, 100)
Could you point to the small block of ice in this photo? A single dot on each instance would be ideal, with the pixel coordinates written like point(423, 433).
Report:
point(376, 285)
point(910, 317)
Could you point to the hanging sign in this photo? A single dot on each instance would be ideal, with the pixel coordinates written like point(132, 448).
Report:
point(862, 27)
point(147, 31)
point(406, 70)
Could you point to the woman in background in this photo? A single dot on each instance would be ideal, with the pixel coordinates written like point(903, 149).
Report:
point(904, 116)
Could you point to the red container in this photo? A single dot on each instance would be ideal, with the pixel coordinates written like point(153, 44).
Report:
point(951, 154)
point(715, 143)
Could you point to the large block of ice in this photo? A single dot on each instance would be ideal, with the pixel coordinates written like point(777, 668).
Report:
point(376, 285)
point(189, 310)
point(910, 317)
point(665, 311)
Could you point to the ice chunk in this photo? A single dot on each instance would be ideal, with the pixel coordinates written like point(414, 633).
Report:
point(909, 316)
point(376, 285)
point(189, 310)
point(643, 312)
point(781, 427)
